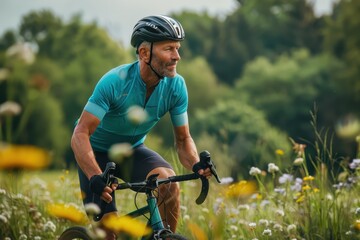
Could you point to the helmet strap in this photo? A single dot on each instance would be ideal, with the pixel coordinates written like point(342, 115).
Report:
point(149, 63)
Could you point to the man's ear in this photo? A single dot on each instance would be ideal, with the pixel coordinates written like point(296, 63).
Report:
point(144, 53)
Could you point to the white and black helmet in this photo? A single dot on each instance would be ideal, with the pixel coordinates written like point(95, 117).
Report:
point(155, 29)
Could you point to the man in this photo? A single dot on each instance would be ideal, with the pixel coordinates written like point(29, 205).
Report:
point(152, 83)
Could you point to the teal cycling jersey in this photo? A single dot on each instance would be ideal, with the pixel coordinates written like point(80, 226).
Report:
point(122, 88)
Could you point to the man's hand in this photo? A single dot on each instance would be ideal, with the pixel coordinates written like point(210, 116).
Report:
point(99, 187)
point(202, 169)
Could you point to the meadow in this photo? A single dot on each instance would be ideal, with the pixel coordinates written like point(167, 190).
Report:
point(273, 203)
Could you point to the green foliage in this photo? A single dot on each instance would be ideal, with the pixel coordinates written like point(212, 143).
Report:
point(251, 139)
point(286, 90)
point(342, 38)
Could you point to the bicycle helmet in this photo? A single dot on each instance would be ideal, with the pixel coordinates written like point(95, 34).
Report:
point(155, 29)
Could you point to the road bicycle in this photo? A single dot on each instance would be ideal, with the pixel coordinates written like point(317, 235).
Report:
point(151, 184)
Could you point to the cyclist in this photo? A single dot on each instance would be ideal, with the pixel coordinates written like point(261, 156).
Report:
point(153, 83)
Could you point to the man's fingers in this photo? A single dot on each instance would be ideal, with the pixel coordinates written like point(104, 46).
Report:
point(106, 194)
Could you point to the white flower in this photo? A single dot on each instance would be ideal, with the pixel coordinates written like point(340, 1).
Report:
point(92, 209)
point(286, 178)
point(280, 212)
point(119, 151)
point(186, 217)
point(272, 168)
point(3, 219)
point(252, 225)
point(355, 164)
point(264, 222)
point(234, 228)
point(49, 226)
point(357, 211)
point(254, 171)
point(23, 237)
point(278, 227)
point(267, 232)
point(243, 207)
point(227, 180)
point(10, 108)
point(137, 114)
point(291, 227)
point(298, 161)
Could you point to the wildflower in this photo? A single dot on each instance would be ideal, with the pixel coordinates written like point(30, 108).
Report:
point(264, 222)
point(252, 225)
point(3, 219)
point(300, 199)
point(308, 178)
point(234, 228)
point(279, 152)
point(254, 171)
point(278, 227)
point(119, 151)
point(10, 108)
point(291, 228)
point(197, 231)
point(23, 156)
point(227, 180)
point(272, 168)
point(357, 225)
point(126, 224)
point(298, 148)
point(298, 161)
point(22, 51)
point(241, 189)
point(67, 212)
point(96, 233)
point(23, 237)
point(286, 178)
point(243, 207)
point(306, 187)
point(297, 186)
point(357, 211)
point(280, 212)
point(267, 232)
point(316, 190)
point(355, 164)
point(186, 217)
point(49, 226)
point(137, 114)
point(92, 209)
point(205, 210)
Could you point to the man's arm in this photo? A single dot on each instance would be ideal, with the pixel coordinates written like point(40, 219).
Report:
point(84, 155)
point(185, 147)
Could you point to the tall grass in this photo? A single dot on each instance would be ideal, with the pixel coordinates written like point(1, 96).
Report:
point(273, 204)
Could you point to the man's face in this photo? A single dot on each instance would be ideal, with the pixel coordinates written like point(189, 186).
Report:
point(165, 57)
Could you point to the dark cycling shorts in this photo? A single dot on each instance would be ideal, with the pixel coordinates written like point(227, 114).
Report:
point(134, 169)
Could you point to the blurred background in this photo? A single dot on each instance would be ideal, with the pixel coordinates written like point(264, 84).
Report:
point(259, 73)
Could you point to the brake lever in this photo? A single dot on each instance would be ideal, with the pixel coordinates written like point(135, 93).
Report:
point(107, 175)
point(205, 158)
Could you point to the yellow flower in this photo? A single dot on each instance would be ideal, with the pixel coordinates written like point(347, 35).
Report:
point(23, 157)
point(68, 212)
point(126, 224)
point(241, 189)
point(279, 152)
point(306, 187)
point(357, 225)
point(308, 178)
point(300, 199)
point(316, 190)
point(197, 232)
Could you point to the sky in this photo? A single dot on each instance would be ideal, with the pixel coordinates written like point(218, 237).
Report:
point(119, 16)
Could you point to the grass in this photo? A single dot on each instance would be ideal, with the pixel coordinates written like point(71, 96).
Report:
point(273, 204)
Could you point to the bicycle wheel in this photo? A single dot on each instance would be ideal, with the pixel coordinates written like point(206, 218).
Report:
point(75, 233)
point(172, 236)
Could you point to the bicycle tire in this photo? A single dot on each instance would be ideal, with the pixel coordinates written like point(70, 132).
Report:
point(75, 233)
point(172, 236)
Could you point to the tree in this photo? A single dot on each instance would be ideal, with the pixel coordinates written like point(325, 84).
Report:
point(248, 137)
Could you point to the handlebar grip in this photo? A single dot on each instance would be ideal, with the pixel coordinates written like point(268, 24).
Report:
point(204, 190)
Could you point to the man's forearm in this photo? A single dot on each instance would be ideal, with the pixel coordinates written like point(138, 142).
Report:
point(187, 152)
